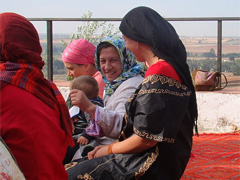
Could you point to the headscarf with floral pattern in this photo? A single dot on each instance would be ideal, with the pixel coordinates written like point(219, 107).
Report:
point(130, 66)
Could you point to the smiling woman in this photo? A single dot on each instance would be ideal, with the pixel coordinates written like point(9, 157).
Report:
point(109, 60)
point(157, 129)
point(116, 63)
point(122, 75)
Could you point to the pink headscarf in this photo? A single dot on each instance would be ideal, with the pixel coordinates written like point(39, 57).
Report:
point(79, 51)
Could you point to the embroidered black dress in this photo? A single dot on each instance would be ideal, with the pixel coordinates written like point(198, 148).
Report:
point(159, 111)
point(163, 108)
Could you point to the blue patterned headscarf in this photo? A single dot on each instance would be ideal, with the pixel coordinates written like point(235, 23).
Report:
point(130, 66)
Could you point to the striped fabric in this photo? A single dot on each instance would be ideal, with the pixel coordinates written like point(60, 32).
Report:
point(21, 65)
point(30, 78)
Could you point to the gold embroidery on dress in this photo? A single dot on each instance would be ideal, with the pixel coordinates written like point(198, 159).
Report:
point(87, 176)
point(163, 79)
point(150, 160)
point(69, 165)
point(131, 97)
point(153, 137)
point(164, 91)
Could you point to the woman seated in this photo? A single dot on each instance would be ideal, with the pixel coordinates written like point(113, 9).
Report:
point(156, 140)
point(122, 75)
point(35, 122)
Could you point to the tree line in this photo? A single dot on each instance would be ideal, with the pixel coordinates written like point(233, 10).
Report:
point(205, 63)
point(88, 31)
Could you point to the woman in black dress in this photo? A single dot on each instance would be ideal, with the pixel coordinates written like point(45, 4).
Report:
point(156, 137)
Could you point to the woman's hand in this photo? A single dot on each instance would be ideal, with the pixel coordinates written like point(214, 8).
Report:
point(133, 144)
point(98, 152)
point(82, 140)
point(79, 99)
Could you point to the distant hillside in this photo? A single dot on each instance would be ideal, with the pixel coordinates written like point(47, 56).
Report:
point(192, 44)
point(55, 36)
point(205, 44)
point(202, 49)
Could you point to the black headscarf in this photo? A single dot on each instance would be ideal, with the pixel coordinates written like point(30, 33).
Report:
point(143, 24)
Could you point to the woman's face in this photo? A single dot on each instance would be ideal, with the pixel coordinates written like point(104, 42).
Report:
point(132, 46)
point(75, 70)
point(110, 63)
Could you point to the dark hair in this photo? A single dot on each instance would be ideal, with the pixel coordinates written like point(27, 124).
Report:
point(101, 46)
point(87, 84)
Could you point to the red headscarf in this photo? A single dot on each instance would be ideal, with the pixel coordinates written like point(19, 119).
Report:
point(21, 64)
point(19, 40)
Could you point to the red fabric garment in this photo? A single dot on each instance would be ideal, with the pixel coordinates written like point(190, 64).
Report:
point(21, 64)
point(163, 68)
point(19, 40)
point(32, 131)
point(35, 121)
point(31, 79)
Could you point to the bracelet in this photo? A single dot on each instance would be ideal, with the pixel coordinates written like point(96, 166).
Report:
point(110, 149)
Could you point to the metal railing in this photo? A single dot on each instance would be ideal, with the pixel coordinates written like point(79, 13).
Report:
point(49, 22)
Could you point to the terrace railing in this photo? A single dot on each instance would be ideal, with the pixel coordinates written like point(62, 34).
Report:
point(50, 21)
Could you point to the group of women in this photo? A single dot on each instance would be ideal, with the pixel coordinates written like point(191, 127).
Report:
point(149, 115)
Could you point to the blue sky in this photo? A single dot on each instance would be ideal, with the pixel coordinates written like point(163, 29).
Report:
point(117, 9)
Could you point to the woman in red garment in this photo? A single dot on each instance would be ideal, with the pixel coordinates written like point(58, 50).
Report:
point(35, 123)
point(156, 138)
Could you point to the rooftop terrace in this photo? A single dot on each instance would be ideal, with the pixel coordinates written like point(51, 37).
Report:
point(218, 110)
